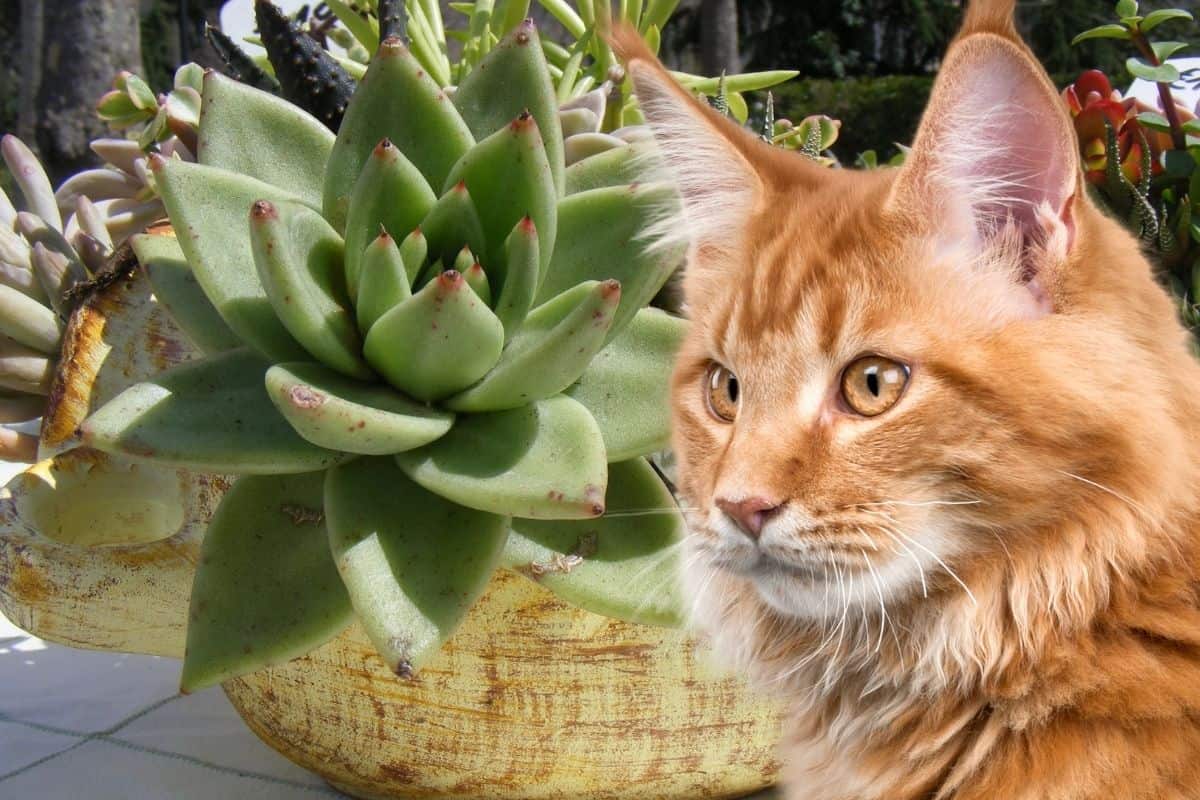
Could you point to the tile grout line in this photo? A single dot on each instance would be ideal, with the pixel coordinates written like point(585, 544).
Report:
point(22, 770)
point(241, 773)
point(108, 735)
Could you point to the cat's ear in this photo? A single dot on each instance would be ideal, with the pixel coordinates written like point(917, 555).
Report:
point(709, 158)
point(995, 159)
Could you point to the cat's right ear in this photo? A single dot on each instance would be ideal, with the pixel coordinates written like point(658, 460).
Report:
point(708, 157)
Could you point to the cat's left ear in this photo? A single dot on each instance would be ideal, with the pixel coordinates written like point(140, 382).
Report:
point(996, 159)
point(720, 169)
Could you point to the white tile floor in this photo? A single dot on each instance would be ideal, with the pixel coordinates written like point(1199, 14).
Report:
point(105, 726)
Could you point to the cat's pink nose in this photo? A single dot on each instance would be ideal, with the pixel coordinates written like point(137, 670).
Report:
point(750, 514)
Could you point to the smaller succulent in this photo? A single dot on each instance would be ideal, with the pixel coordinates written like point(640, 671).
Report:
point(308, 75)
point(41, 261)
point(1095, 108)
point(131, 107)
point(1144, 162)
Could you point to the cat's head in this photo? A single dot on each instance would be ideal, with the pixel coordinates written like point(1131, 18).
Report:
point(894, 374)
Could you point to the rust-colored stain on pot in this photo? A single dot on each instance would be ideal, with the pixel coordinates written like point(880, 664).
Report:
point(530, 700)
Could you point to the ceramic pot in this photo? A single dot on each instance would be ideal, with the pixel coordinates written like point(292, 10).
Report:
point(530, 699)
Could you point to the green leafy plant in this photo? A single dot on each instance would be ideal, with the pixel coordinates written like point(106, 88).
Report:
point(1145, 162)
point(428, 356)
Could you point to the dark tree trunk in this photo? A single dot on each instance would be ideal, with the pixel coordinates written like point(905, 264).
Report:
point(72, 51)
point(719, 37)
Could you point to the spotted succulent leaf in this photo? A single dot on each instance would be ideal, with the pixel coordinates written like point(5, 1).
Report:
point(177, 289)
point(438, 342)
point(209, 209)
point(339, 413)
point(511, 80)
point(622, 565)
point(210, 416)
point(627, 390)
point(398, 101)
point(244, 616)
point(300, 263)
point(254, 133)
point(549, 352)
point(413, 563)
point(543, 461)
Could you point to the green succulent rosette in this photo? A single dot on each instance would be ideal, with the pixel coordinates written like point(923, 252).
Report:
point(426, 359)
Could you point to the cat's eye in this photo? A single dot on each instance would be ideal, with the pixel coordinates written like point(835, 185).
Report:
point(723, 393)
point(873, 384)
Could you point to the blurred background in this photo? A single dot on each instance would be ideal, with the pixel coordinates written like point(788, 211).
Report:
point(868, 63)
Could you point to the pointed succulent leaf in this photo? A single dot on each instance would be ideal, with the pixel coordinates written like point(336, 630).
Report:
point(618, 166)
point(521, 277)
point(549, 352)
point(601, 237)
point(53, 271)
point(238, 65)
point(177, 289)
point(626, 388)
point(413, 251)
point(543, 461)
point(512, 79)
point(452, 223)
point(589, 145)
point(209, 416)
point(23, 369)
point(413, 563)
point(338, 413)
point(622, 565)
point(578, 120)
point(208, 208)
point(390, 192)
point(27, 321)
point(67, 270)
point(299, 261)
point(383, 282)
point(32, 179)
point(266, 588)
point(439, 341)
point(464, 260)
point(396, 100)
point(509, 177)
point(254, 133)
point(477, 279)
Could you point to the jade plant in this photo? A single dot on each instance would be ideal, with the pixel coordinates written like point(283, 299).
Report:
point(427, 355)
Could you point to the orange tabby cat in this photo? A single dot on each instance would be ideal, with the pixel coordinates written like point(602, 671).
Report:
point(942, 431)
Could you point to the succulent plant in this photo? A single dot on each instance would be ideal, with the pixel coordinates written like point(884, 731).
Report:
point(132, 108)
point(429, 356)
point(1144, 162)
point(46, 250)
point(308, 76)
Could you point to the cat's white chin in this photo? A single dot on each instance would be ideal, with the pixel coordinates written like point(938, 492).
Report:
point(834, 591)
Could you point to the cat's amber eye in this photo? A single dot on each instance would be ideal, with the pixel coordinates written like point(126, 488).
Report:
point(723, 393)
point(873, 384)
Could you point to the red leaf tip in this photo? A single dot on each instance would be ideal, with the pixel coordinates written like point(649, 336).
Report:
point(262, 210)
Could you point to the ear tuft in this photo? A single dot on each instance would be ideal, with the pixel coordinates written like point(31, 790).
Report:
point(991, 16)
point(995, 161)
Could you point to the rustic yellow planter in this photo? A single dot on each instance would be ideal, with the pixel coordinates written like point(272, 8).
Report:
point(530, 699)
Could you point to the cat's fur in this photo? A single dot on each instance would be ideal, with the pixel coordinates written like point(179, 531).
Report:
point(1001, 597)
